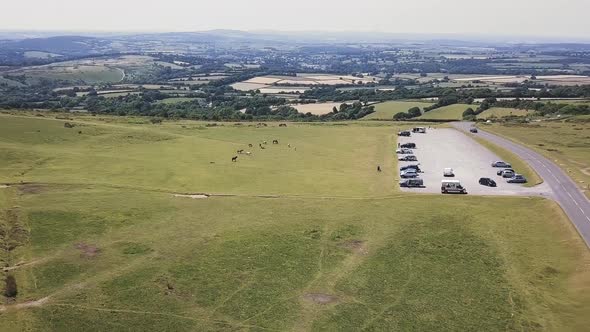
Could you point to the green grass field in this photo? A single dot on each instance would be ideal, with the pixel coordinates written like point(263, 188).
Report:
point(451, 112)
point(498, 112)
point(312, 239)
point(83, 73)
point(386, 110)
point(566, 143)
point(175, 100)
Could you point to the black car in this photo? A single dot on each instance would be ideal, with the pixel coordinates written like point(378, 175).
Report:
point(408, 145)
point(404, 133)
point(487, 182)
point(473, 130)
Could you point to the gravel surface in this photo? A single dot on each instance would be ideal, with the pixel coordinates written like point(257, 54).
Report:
point(443, 148)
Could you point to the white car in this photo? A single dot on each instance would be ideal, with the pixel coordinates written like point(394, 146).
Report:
point(448, 172)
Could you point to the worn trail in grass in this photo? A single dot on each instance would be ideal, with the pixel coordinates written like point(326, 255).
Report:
point(112, 248)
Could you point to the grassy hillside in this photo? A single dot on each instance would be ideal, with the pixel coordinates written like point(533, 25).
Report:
point(451, 112)
point(568, 143)
point(101, 243)
point(499, 112)
point(386, 110)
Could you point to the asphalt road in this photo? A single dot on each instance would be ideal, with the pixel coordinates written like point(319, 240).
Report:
point(563, 189)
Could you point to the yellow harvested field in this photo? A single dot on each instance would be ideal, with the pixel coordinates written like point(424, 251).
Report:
point(263, 80)
point(301, 82)
point(244, 86)
point(317, 109)
point(277, 89)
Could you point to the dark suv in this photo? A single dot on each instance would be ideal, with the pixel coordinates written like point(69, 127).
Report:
point(487, 182)
point(408, 145)
point(404, 133)
point(415, 167)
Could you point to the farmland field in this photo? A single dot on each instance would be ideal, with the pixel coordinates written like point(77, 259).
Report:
point(175, 100)
point(386, 110)
point(318, 108)
point(499, 112)
point(86, 74)
point(309, 237)
point(566, 143)
point(451, 112)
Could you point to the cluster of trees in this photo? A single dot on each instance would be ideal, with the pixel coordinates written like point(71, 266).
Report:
point(413, 112)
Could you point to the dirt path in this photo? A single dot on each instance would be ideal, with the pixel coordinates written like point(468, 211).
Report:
point(29, 304)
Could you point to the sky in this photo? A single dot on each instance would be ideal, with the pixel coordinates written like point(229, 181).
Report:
point(564, 18)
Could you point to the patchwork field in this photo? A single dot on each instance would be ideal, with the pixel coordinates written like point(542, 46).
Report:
point(451, 112)
point(303, 80)
point(307, 237)
point(386, 110)
point(566, 143)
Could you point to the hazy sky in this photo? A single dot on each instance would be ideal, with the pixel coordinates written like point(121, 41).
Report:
point(497, 17)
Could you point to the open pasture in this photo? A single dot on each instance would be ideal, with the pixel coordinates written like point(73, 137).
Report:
point(451, 112)
point(386, 110)
point(307, 239)
point(499, 112)
point(566, 143)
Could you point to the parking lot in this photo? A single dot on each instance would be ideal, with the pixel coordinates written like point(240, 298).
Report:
point(438, 149)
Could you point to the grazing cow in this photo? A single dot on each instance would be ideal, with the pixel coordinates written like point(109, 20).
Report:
point(378, 168)
point(240, 151)
point(274, 141)
point(250, 145)
point(248, 153)
point(260, 145)
point(264, 142)
point(234, 159)
point(282, 125)
point(289, 145)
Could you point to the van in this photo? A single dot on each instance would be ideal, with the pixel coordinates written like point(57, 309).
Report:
point(412, 183)
point(452, 187)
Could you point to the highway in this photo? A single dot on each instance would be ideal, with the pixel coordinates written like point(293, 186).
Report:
point(563, 189)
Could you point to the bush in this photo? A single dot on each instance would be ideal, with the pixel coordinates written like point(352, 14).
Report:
point(401, 116)
point(10, 289)
point(469, 113)
point(414, 112)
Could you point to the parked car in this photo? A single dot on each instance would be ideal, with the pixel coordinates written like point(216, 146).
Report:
point(448, 172)
point(421, 130)
point(415, 167)
point(408, 145)
point(408, 158)
point(412, 183)
point(404, 133)
point(501, 164)
point(473, 130)
point(508, 174)
point(500, 172)
point(404, 151)
point(452, 187)
point(487, 182)
point(409, 174)
point(517, 178)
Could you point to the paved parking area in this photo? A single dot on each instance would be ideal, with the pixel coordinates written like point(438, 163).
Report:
point(442, 148)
